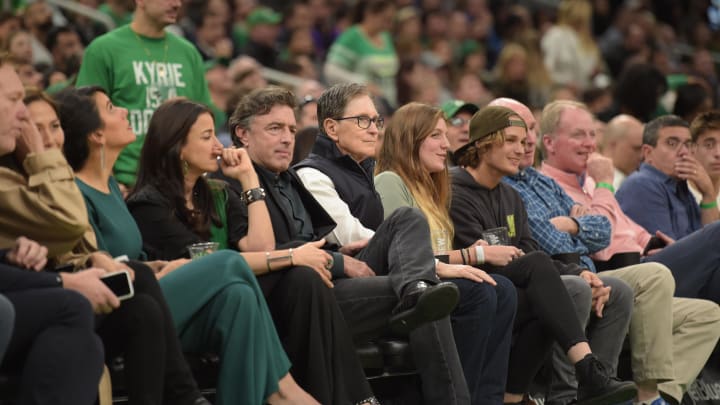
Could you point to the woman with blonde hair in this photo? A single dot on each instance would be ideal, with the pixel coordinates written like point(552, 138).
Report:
point(511, 73)
point(571, 55)
point(411, 171)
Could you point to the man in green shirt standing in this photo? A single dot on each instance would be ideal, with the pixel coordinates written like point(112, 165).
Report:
point(140, 66)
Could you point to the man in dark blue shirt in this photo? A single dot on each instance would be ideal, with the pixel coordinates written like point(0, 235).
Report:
point(657, 196)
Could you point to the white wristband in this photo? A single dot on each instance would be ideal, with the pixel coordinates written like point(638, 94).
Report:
point(437, 261)
point(479, 254)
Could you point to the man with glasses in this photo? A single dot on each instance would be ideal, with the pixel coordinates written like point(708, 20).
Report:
point(569, 145)
point(339, 171)
point(393, 258)
point(458, 114)
point(657, 195)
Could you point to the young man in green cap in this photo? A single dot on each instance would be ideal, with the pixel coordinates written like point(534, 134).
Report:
point(481, 202)
point(458, 114)
point(140, 65)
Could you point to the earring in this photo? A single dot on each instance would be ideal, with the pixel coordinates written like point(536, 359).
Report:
point(185, 167)
point(102, 158)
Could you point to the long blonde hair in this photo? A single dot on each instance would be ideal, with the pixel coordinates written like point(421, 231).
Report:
point(577, 14)
point(400, 153)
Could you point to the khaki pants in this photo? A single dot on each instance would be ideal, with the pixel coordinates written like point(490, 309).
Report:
point(105, 388)
point(670, 338)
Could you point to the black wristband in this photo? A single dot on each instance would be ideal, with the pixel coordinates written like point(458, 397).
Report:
point(252, 195)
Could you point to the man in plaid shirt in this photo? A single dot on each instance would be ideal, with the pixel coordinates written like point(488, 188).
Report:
point(670, 338)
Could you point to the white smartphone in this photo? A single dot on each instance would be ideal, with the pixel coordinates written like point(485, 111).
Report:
point(120, 284)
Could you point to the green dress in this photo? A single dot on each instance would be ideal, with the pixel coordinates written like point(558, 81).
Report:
point(215, 301)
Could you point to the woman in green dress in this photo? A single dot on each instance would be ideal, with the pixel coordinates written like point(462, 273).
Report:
point(215, 301)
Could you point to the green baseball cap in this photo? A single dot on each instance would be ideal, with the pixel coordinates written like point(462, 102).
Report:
point(263, 15)
point(490, 120)
point(452, 107)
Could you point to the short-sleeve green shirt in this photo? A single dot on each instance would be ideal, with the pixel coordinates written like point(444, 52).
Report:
point(140, 73)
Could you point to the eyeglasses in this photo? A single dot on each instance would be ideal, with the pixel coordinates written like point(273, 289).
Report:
point(675, 144)
point(363, 121)
point(458, 121)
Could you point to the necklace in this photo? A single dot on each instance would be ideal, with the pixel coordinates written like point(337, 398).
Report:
point(161, 67)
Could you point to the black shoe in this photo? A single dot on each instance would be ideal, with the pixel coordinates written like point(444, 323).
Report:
point(422, 303)
point(596, 387)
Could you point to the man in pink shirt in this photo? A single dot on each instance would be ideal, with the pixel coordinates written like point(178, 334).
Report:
point(670, 338)
point(569, 147)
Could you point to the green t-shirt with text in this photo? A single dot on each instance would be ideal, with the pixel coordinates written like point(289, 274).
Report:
point(140, 73)
point(353, 51)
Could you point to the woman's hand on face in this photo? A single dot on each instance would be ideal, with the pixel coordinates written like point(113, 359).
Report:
point(310, 255)
point(235, 163)
point(501, 255)
point(445, 270)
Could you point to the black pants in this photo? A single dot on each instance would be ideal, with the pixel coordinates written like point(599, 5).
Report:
point(315, 337)
point(142, 331)
point(400, 253)
point(54, 347)
point(545, 314)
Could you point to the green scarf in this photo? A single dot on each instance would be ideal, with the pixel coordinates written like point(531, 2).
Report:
point(220, 198)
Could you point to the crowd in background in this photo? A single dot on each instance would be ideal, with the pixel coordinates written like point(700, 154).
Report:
point(135, 120)
point(637, 57)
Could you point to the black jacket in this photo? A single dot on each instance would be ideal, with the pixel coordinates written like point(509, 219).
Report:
point(285, 234)
point(165, 234)
point(474, 208)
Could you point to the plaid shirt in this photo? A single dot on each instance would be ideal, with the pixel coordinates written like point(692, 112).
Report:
point(544, 199)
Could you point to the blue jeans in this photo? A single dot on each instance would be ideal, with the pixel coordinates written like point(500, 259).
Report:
point(482, 325)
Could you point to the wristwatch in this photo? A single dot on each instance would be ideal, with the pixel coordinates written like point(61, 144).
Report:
point(252, 195)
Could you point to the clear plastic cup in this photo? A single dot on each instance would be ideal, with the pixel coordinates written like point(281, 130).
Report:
point(202, 249)
point(496, 236)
